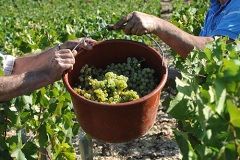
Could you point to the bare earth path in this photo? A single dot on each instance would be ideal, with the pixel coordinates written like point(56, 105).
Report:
point(158, 143)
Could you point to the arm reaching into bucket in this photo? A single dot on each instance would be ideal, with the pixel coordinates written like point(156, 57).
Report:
point(139, 23)
point(35, 71)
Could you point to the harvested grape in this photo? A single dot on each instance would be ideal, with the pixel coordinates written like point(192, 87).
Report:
point(118, 83)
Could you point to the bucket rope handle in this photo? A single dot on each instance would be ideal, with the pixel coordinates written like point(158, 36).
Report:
point(110, 28)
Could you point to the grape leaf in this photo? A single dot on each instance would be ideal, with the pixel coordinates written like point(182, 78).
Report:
point(18, 154)
point(220, 91)
point(234, 112)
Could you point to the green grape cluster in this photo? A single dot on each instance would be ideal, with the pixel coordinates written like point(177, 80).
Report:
point(117, 83)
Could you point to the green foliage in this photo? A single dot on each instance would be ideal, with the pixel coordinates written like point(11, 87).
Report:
point(47, 115)
point(188, 17)
point(1, 65)
point(207, 105)
point(29, 26)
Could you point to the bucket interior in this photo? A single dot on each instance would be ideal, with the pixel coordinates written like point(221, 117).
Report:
point(117, 51)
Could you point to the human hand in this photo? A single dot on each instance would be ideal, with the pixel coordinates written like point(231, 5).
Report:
point(138, 23)
point(85, 43)
point(59, 62)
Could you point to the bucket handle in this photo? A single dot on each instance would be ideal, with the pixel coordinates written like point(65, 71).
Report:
point(110, 28)
point(160, 48)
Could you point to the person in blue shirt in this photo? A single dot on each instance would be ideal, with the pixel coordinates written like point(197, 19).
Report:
point(222, 19)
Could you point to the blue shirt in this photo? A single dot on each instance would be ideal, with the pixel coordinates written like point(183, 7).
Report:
point(222, 20)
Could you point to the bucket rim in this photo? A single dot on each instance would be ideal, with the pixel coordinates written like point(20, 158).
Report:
point(140, 100)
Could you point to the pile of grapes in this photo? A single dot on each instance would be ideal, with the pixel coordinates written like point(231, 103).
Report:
point(118, 83)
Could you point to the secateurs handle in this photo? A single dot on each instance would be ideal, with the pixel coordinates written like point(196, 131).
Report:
point(110, 27)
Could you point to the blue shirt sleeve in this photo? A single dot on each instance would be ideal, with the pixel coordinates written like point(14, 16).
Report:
point(229, 25)
point(223, 20)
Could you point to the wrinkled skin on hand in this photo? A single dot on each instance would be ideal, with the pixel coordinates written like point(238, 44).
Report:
point(64, 59)
point(59, 62)
point(137, 23)
point(85, 44)
point(32, 72)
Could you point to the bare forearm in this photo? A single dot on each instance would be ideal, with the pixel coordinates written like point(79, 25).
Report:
point(180, 41)
point(139, 23)
point(16, 85)
point(35, 71)
point(31, 62)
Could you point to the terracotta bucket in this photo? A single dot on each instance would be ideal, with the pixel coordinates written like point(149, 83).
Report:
point(117, 123)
